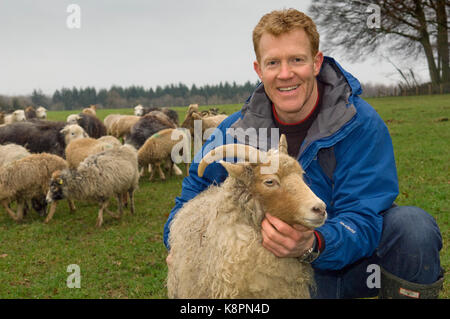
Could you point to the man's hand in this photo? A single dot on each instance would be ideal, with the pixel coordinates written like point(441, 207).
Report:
point(169, 260)
point(284, 240)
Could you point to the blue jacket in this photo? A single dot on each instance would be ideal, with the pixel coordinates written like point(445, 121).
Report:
point(363, 180)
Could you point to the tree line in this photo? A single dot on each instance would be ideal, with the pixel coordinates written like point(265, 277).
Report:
point(123, 97)
point(181, 95)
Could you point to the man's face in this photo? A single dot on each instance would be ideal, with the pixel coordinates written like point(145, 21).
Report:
point(288, 71)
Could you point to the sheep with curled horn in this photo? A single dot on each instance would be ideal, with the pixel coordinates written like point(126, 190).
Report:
point(215, 238)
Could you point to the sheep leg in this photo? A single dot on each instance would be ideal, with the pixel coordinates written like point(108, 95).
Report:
point(71, 205)
point(116, 215)
point(51, 212)
point(120, 204)
point(110, 212)
point(8, 210)
point(20, 210)
point(170, 167)
point(125, 199)
point(161, 173)
point(100, 214)
point(152, 173)
point(131, 195)
point(176, 170)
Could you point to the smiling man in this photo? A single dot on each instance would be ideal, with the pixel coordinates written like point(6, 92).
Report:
point(346, 152)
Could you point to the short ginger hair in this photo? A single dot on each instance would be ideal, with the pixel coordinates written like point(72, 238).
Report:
point(283, 21)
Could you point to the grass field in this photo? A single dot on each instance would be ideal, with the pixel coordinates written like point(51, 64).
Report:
point(126, 258)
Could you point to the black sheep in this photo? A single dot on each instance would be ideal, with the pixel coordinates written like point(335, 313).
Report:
point(173, 115)
point(144, 128)
point(92, 125)
point(36, 136)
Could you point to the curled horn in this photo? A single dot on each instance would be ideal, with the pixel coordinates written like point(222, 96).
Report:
point(240, 151)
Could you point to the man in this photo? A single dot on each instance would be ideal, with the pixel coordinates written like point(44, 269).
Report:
point(346, 152)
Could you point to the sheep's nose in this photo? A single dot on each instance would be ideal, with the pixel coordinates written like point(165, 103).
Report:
point(320, 209)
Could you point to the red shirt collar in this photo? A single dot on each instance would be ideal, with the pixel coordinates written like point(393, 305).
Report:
point(296, 123)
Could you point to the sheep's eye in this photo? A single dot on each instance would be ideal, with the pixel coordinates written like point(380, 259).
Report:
point(269, 182)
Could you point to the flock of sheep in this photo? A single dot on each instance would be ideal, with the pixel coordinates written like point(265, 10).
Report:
point(215, 238)
point(84, 158)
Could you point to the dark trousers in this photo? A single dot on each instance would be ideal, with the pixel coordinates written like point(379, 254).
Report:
point(409, 249)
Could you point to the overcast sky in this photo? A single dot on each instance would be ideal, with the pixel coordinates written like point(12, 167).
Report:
point(137, 42)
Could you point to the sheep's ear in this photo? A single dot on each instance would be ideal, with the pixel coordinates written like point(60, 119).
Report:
point(234, 170)
point(282, 145)
point(64, 130)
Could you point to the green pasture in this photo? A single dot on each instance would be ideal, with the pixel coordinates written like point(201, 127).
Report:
point(126, 258)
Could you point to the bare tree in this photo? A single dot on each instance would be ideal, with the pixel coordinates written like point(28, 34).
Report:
point(408, 28)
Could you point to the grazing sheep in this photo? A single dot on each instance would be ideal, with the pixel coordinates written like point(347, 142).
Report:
point(139, 110)
point(98, 178)
point(30, 113)
point(91, 110)
point(39, 136)
point(77, 150)
point(73, 132)
point(109, 120)
point(41, 113)
point(73, 119)
point(144, 128)
point(188, 120)
point(158, 148)
point(26, 179)
point(122, 125)
point(12, 152)
point(209, 122)
point(16, 116)
point(215, 238)
point(110, 139)
point(90, 123)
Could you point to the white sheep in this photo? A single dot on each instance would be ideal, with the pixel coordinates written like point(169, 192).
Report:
point(91, 110)
point(209, 122)
point(41, 113)
point(139, 110)
point(72, 119)
point(122, 125)
point(78, 149)
point(12, 152)
point(72, 132)
point(98, 178)
point(16, 116)
point(109, 120)
point(157, 149)
point(215, 238)
point(27, 178)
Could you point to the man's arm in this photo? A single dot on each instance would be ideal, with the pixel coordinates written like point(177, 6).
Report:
point(215, 173)
point(365, 184)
